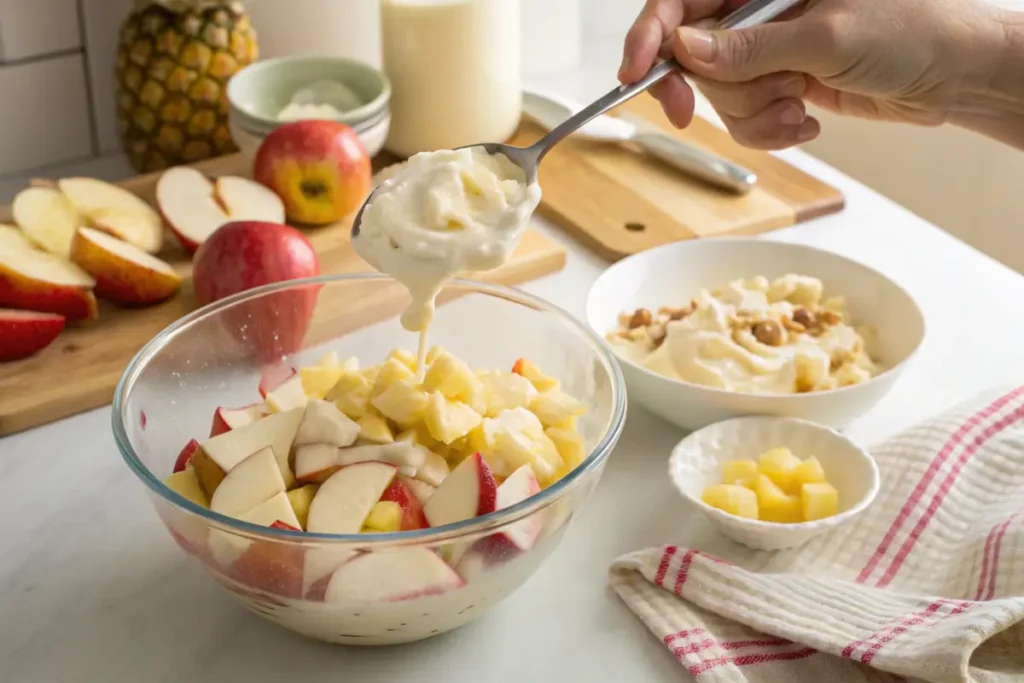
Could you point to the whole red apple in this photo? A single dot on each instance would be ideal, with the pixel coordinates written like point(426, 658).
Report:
point(242, 255)
point(319, 168)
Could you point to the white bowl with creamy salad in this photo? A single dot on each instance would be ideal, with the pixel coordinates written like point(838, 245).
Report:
point(711, 329)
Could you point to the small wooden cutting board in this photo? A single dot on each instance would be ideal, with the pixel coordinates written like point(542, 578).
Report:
point(595, 190)
point(80, 370)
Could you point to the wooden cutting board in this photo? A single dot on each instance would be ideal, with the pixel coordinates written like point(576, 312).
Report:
point(595, 190)
point(80, 370)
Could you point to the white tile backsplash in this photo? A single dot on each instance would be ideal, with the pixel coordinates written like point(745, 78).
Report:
point(45, 112)
point(29, 28)
point(103, 19)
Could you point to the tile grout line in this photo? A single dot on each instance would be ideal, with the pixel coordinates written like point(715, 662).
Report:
point(90, 93)
point(49, 56)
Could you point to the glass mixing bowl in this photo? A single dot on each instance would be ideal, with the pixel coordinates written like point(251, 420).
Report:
point(214, 357)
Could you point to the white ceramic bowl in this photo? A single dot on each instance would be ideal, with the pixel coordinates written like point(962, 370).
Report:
point(697, 460)
point(373, 136)
point(672, 274)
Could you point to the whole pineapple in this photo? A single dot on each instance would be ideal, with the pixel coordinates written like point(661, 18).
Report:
point(174, 62)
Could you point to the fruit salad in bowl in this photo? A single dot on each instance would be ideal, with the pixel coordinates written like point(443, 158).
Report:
point(351, 492)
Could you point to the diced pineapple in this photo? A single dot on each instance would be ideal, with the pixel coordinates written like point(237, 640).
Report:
point(385, 517)
point(819, 500)
point(421, 435)
point(406, 358)
point(774, 504)
point(351, 394)
point(512, 450)
point(809, 471)
point(403, 403)
point(449, 420)
point(374, 428)
point(737, 470)
point(749, 482)
point(390, 372)
point(778, 465)
point(330, 360)
point(187, 485)
point(555, 407)
point(570, 446)
point(350, 364)
point(371, 373)
point(432, 353)
point(318, 379)
point(531, 372)
point(453, 379)
point(572, 424)
point(506, 391)
point(736, 500)
point(301, 499)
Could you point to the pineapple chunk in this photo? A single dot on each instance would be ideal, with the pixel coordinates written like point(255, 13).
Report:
point(187, 486)
point(406, 358)
point(555, 407)
point(329, 361)
point(738, 470)
point(506, 391)
point(385, 516)
point(774, 504)
point(403, 403)
point(390, 372)
point(514, 449)
point(350, 364)
point(420, 435)
point(301, 500)
point(819, 500)
point(778, 465)
point(476, 441)
point(454, 380)
point(531, 372)
point(449, 420)
point(371, 373)
point(809, 471)
point(351, 394)
point(317, 380)
point(749, 482)
point(736, 500)
point(432, 354)
point(572, 424)
point(374, 428)
point(570, 446)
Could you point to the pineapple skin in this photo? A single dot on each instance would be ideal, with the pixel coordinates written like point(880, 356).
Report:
point(171, 77)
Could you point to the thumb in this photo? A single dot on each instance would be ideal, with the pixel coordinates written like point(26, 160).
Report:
point(736, 55)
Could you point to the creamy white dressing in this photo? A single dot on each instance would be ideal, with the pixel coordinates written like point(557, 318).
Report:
point(442, 213)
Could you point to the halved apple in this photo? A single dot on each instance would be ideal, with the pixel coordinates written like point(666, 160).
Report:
point(47, 218)
point(226, 419)
point(323, 423)
point(11, 237)
point(186, 455)
point(255, 480)
point(469, 491)
point(391, 576)
point(346, 498)
point(116, 211)
point(37, 281)
point(124, 273)
point(26, 333)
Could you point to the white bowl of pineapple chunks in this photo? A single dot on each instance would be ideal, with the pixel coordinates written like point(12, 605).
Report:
point(774, 483)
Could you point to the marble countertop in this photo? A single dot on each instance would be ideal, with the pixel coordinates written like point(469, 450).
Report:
point(93, 590)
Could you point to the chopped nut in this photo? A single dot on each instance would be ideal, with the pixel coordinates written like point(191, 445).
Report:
point(641, 318)
point(793, 326)
point(769, 332)
point(657, 334)
point(831, 318)
point(675, 313)
point(805, 317)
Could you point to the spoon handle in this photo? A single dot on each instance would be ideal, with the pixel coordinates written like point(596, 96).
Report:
point(751, 14)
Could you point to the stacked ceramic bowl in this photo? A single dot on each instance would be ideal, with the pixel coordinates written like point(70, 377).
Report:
point(358, 95)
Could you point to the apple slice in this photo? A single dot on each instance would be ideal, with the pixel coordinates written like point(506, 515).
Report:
point(421, 489)
point(288, 396)
point(217, 456)
point(37, 281)
point(434, 469)
point(124, 273)
point(522, 535)
point(115, 210)
point(323, 423)
point(274, 375)
point(26, 333)
point(226, 419)
point(255, 480)
point(47, 218)
point(226, 547)
point(12, 238)
point(185, 455)
point(318, 565)
point(392, 576)
point(246, 200)
point(185, 484)
point(469, 491)
point(412, 511)
point(346, 498)
point(317, 462)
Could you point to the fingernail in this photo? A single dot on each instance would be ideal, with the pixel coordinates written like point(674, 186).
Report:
point(808, 131)
point(700, 44)
point(791, 115)
point(794, 87)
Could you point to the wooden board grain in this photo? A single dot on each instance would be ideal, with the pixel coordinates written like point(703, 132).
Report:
point(594, 190)
point(80, 370)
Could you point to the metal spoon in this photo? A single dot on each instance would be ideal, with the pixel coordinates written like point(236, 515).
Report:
point(753, 13)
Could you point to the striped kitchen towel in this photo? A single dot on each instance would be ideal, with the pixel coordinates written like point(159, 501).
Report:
point(927, 585)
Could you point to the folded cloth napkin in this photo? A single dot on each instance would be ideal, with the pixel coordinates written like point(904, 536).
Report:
point(923, 585)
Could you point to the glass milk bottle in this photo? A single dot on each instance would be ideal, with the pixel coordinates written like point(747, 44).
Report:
point(454, 67)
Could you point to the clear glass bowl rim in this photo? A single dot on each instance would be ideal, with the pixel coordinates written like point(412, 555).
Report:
point(484, 523)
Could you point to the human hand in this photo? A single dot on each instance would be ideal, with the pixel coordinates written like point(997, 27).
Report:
point(912, 61)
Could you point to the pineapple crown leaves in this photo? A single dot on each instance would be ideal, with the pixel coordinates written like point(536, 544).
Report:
point(188, 5)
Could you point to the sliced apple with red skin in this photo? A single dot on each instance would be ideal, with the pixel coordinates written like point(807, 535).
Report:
point(246, 200)
point(242, 255)
point(26, 333)
point(522, 535)
point(186, 455)
point(36, 281)
point(226, 419)
point(412, 510)
point(253, 481)
point(469, 491)
point(323, 423)
point(288, 396)
point(274, 375)
point(421, 489)
point(315, 463)
point(116, 211)
point(124, 273)
point(346, 498)
point(226, 547)
point(47, 218)
point(318, 565)
point(11, 237)
point(434, 469)
point(392, 576)
point(219, 455)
